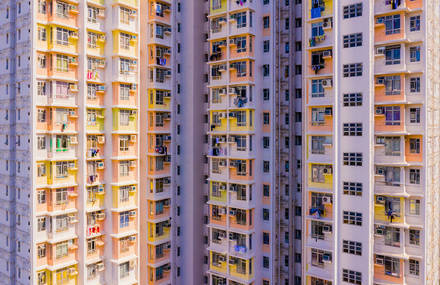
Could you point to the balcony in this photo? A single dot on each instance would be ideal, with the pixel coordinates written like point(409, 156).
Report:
point(159, 275)
point(125, 120)
point(124, 146)
point(241, 120)
point(159, 122)
point(319, 235)
point(69, 16)
point(320, 62)
point(95, 119)
point(320, 206)
point(159, 253)
point(95, 43)
point(159, 100)
point(218, 192)
point(217, 76)
point(398, 88)
point(95, 197)
point(125, 20)
point(218, 169)
point(69, 275)
point(159, 55)
point(125, 222)
point(382, 7)
point(241, 219)
point(218, 262)
point(160, 34)
point(59, 172)
point(319, 263)
point(399, 58)
point(320, 92)
point(321, 34)
point(320, 149)
point(125, 171)
point(241, 25)
point(125, 70)
point(159, 232)
point(159, 188)
point(61, 199)
point(96, 20)
point(241, 268)
point(160, 11)
point(125, 272)
point(68, 45)
point(62, 253)
point(125, 247)
point(59, 232)
point(217, 215)
point(129, 3)
point(241, 71)
point(218, 8)
point(160, 78)
point(320, 175)
point(389, 269)
point(218, 27)
point(321, 9)
point(159, 210)
point(95, 172)
point(242, 5)
point(320, 119)
point(241, 47)
point(159, 165)
point(398, 119)
point(125, 196)
point(241, 169)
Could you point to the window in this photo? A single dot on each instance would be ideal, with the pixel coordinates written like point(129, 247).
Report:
point(62, 36)
point(124, 41)
point(392, 265)
point(241, 19)
point(352, 247)
point(414, 23)
point(352, 277)
point(124, 117)
point(352, 188)
point(61, 169)
point(62, 9)
point(392, 23)
point(414, 267)
point(124, 15)
point(266, 46)
point(216, 4)
point(318, 144)
point(319, 172)
point(266, 166)
point(392, 115)
point(265, 262)
point(414, 145)
point(318, 115)
point(414, 54)
point(392, 55)
point(317, 88)
point(266, 94)
point(266, 118)
point(266, 22)
point(414, 237)
point(241, 118)
point(124, 219)
point(352, 99)
point(414, 176)
point(352, 218)
point(124, 141)
point(241, 44)
point(92, 13)
point(352, 158)
point(414, 84)
point(414, 115)
point(353, 40)
point(124, 168)
point(62, 250)
point(352, 11)
point(318, 257)
point(352, 70)
point(62, 63)
point(61, 196)
point(124, 269)
point(352, 129)
point(41, 224)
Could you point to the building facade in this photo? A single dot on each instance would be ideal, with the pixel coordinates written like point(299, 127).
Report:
point(370, 105)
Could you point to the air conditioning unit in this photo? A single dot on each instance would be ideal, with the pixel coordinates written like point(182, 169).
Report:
point(327, 83)
point(167, 94)
point(380, 50)
point(132, 213)
point(132, 238)
point(327, 170)
point(233, 187)
point(167, 138)
point(222, 162)
point(73, 140)
point(133, 138)
point(328, 111)
point(379, 111)
point(380, 81)
point(133, 188)
point(327, 229)
point(100, 216)
point(326, 200)
point(132, 12)
point(132, 163)
point(327, 53)
point(380, 200)
point(223, 187)
point(133, 112)
point(101, 139)
point(168, 73)
point(380, 171)
point(328, 23)
point(167, 180)
point(133, 86)
point(100, 164)
point(101, 188)
point(232, 114)
point(100, 88)
point(72, 113)
point(233, 212)
point(100, 266)
point(327, 258)
point(222, 211)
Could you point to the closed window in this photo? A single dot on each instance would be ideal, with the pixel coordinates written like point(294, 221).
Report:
point(352, 247)
point(414, 84)
point(392, 55)
point(414, 54)
point(352, 188)
point(414, 146)
point(392, 24)
point(352, 129)
point(352, 218)
point(352, 11)
point(414, 23)
point(352, 99)
point(352, 70)
point(351, 276)
point(414, 176)
point(414, 267)
point(353, 40)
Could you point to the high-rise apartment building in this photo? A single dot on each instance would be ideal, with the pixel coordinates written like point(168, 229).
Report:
point(371, 106)
point(221, 142)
